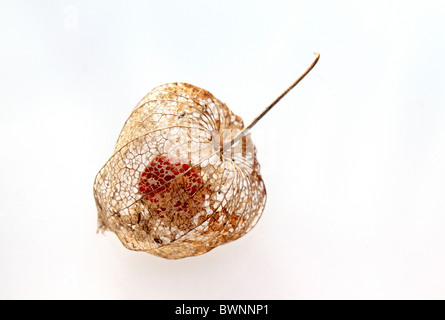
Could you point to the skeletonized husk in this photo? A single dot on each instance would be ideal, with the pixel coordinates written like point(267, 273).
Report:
point(167, 189)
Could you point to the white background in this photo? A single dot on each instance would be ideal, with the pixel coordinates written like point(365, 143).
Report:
point(353, 158)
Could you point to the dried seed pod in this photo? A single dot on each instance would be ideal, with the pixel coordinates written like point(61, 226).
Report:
point(183, 178)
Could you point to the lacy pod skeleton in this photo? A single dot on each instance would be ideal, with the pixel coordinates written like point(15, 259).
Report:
point(183, 178)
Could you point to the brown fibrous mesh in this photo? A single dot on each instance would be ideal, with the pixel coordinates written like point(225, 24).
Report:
point(169, 189)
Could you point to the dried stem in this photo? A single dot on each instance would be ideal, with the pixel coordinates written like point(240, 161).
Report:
point(246, 129)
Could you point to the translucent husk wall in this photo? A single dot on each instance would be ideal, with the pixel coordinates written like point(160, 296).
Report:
point(169, 189)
